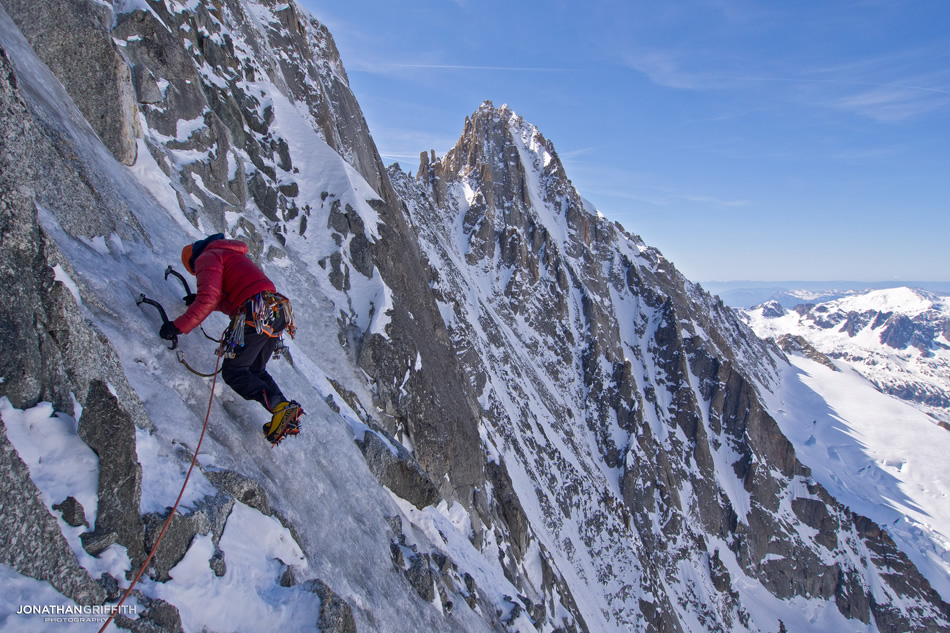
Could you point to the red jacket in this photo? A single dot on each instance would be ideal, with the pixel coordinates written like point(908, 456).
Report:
point(226, 279)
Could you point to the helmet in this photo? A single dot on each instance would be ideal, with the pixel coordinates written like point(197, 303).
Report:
point(186, 258)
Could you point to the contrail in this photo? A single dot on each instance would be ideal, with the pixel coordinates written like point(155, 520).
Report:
point(504, 68)
point(847, 83)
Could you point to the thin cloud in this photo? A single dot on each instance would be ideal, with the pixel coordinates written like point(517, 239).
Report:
point(716, 202)
point(847, 82)
point(657, 196)
point(666, 68)
point(725, 116)
point(376, 67)
point(892, 103)
point(581, 151)
point(867, 154)
point(886, 102)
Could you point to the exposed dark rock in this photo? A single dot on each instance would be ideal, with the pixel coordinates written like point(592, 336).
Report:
point(153, 616)
point(243, 489)
point(898, 332)
point(771, 309)
point(207, 516)
point(218, 563)
point(216, 510)
point(72, 511)
point(336, 616)
point(175, 541)
point(790, 344)
point(99, 541)
point(163, 615)
point(75, 42)
point(291, 190)
point(48, 352)
point(110, 585)
point(421, 576)
point(509, 506)
point(146, 87)
point(108, 430)
point(288, 578)
point(396, 469)
point(856, 322)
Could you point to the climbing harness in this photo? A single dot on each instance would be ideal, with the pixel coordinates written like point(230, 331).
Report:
point(262, 312)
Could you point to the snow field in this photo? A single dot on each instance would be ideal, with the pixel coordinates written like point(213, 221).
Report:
point(879, 456)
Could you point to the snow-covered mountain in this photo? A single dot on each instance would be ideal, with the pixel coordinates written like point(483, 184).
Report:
point(520, 417)
point(749, 294)
point(898, 338)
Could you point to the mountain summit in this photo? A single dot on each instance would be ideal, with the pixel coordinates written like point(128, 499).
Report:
point(604, 375)
point(520, 416)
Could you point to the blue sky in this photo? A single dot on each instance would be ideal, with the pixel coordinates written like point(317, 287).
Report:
point(804, 140)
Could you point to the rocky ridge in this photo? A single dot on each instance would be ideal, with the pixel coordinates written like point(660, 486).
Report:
point(575, 332)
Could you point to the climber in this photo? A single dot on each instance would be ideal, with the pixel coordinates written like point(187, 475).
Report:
point(229, 282)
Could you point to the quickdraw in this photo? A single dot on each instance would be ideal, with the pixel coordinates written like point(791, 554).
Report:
point(265, 308)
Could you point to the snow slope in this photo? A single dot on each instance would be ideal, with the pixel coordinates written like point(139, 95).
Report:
point(318, 481)
point(882, 457)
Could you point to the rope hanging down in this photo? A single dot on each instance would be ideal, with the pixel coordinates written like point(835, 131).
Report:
point(171, 514)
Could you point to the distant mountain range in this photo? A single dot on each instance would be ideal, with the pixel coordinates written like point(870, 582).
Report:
point(747, 294)
point(899, 338)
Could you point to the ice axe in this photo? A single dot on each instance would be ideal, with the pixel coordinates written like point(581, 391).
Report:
point(184, 282)
point(161, 311)
point(181, 356)
point(189, 296)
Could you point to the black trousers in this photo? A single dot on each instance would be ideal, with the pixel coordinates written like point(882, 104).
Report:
point(246, 373)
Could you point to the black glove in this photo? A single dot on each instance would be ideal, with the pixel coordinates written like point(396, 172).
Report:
point(169, 332)
point(189, 298)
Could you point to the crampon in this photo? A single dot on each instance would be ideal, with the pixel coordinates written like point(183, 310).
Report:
point(286, 421)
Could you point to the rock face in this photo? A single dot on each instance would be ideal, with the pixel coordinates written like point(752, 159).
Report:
point(34, 545)
point(797, 344)
point(571, 436)
point(75, 41)
point(396, 469)
point(108, 430)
